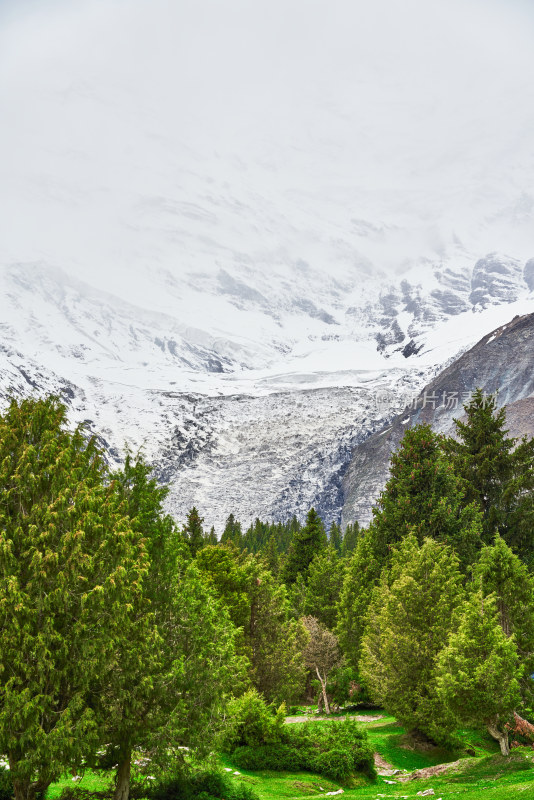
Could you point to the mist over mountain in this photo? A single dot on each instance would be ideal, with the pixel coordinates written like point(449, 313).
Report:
point(229, 229)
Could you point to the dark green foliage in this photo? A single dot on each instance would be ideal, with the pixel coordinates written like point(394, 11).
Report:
point(335, 538)
point(350, 539)
point(232, 532)
point(361, 575)
point(193, 531)
point(424, 496)
point(325, 579)
point(206, 785)
point(499, 474)
point(258, 605)
point(338, 751)
point(306, 544)
point(6, 784)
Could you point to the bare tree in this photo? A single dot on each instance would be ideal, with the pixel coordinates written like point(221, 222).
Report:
point(322, 653)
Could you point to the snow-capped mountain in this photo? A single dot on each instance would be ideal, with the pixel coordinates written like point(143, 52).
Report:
point(240, 235)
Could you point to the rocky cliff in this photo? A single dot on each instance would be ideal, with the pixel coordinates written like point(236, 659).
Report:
point(502, 363)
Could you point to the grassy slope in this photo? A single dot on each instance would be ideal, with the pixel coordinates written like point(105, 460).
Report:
point(486, 777)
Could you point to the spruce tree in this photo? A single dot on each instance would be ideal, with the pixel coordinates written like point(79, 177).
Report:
point(232, 532)
point(498, 473)
point(307, 542)
point(334, 537)
point(350, 539)
point(193, 531)
point(424, 496)
point(71, 570)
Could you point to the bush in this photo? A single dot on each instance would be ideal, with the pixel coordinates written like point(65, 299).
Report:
point(207, 785)
point(257, 739)
point(251, 722)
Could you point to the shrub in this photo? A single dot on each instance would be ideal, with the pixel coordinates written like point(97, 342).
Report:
point(251, 722)
point(257, 740)
point(206, 785)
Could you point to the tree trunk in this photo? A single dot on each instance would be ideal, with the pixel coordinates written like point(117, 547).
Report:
point(501, 737)
point(323, 689)
point(26, 789)
point(122, 783)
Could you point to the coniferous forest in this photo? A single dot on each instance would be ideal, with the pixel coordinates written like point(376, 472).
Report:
point(164, 659)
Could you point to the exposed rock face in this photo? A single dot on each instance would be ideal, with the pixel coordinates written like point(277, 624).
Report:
point(496, 278)
point(528, 274)
point(502, 362)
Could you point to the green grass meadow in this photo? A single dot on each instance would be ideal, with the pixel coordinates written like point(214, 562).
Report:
point(485, 776)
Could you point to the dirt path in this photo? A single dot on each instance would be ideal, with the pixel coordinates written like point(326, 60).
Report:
point(316, 718)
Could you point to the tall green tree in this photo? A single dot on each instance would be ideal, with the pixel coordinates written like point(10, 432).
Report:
point(232, 532)
point(325, 579)
point(361, 575)
point(501, 573)
point(498, 473)
point(307, 542)
point(409, 619)
point(334, 537)
point(258, 605)
point(424, 496)
point(182, 641)
point(71, 569)
point(477, 673)
point(193, 532)
point(350, 539)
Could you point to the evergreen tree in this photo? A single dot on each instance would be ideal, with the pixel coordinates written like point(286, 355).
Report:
point(232, 532)
point(361, 575)
point(307, 542)
point(501, 573)
point(410, 617)
point(334, 537)
point(193, 532)
point(325, 578)
point(499, 473)
point(71, 569)
point(271, 557)
point(477, 672)
point(182, 641)
point(212, 536)
point(350, 539)
point(425, 496)
point(258, 605)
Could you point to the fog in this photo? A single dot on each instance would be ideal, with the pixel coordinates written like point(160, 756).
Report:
point(149, 136)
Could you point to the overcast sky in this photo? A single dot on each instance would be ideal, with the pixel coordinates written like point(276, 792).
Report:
point(412, 116)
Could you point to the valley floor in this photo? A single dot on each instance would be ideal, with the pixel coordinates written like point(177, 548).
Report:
point(450, 774)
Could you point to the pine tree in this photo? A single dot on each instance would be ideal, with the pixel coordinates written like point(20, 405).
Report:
point(499, 473)
point(477, 673)
point(307, 542)
point(232, 532)
point(350, 539)
point(409, 618)
point(71, 570)
point(193, 532)
point(334, 537)
point(425, 496)
point(325, 578)
point(271, 557)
